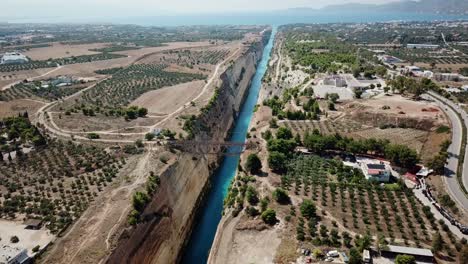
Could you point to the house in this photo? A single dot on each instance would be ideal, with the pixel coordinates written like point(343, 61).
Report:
point(379, 172)
point(34, 224)
point(422, 46)
point(13, 255)
point(420, 254)
point(13, 58)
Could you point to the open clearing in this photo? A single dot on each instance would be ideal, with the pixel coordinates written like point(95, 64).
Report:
point(169, 99)
point(58, 50)
point(401, 105)
point(28, 239)
point(12, 108)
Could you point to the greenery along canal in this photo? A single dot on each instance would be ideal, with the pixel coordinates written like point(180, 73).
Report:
point(203, 235)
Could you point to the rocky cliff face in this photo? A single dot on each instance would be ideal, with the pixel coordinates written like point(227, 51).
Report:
point(168, 219)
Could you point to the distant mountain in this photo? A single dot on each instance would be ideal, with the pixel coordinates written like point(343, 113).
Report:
point(455, 7)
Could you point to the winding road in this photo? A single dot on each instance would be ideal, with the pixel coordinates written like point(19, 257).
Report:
point(454, 112)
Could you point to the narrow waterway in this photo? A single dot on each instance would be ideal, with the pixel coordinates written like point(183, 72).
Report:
point(204, 231)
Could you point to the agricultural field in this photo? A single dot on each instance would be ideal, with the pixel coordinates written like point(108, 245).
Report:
point(58, 50)
point(129, 83)
point(31, 91)
point(189, 58)
point(31, 65)
point(50, 180)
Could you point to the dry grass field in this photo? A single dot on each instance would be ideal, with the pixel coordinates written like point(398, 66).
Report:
point(166, 100)
point(403, 106)
point(13, 108)
point(58, 50)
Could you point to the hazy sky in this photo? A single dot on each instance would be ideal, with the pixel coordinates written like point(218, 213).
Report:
point(90, 8)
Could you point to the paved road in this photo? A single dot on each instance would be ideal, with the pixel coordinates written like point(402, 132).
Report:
point(451, 181)
point(419, 194)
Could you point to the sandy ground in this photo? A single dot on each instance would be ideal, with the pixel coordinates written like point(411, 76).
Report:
point(169, 99)
point(399, 104)
point(12, 108)
point(235, 246)
point(58, 50)
point(27, 238)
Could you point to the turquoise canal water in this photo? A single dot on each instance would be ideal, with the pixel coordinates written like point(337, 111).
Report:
point(205, 228)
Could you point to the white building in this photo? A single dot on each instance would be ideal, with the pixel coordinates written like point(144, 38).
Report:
point(13, 58)
point(379, 172)
point(13, 255)
point(448, 77)
point(335, 80)
point(422, 46)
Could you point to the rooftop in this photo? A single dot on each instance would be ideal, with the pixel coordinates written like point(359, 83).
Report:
point(7, 253)
point(375, 166)
point(409, 251)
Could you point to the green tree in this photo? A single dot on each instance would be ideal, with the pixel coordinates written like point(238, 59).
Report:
point(437, 243)
point(284, 133)
point(463, 255)
point(277, 161)
point(149, 136)
point(269, 216)
point(142, 112)
point(308, 209)
point(253, 164)
point(354, 256)
point(281, 196)
point(139, 201)
point(251, 195)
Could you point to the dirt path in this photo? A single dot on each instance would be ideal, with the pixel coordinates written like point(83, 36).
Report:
point(278, 65)
point(90, 238)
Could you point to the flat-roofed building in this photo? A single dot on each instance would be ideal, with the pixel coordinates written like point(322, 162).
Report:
point(376, 171)
point(13, 58)
point(13, 255)
point(421, 255)
point(422, 46)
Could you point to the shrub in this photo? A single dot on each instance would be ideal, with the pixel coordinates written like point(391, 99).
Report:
point(14, 239)
point(269, 216)
point(93, 136)
point(149, 136)
point(405, 259)
point(253, 164)
point(281, 196)
point(36, 249)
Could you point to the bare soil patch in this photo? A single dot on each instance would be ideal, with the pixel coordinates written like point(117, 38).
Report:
point(168, 99)
point(58, 50)
point(13, 108)
point(403, 106)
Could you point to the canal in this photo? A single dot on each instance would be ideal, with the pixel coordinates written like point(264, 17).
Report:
point(198, 248)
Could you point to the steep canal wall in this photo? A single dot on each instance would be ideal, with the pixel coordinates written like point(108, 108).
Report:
point(170, 216)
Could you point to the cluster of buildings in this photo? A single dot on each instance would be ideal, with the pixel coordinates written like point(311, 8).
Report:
point(445, 77)
point(13, 58)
